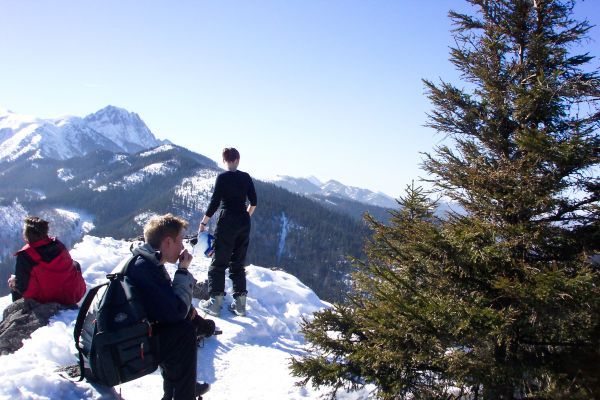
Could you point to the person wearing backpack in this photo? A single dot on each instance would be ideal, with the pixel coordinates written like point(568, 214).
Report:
point(168, 303)
point(45, 271)
point(232, 234)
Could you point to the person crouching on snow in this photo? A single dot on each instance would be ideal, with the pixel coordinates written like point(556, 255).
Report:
point(168, 304)
point(45, 271)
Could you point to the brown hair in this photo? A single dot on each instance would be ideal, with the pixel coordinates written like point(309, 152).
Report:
point(160, 227)
point(230, 154)
point(35, 229)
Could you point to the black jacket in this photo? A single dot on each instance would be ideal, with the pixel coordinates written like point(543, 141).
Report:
point(164, 300)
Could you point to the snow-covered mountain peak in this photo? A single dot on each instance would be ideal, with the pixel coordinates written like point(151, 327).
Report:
point(333, 184)
point(297, 185)
point(123, 128)
point(112, 128)
point(10, 119)
point(68, 119)
point(314, 180)
point(115, 115)
point(17, 134)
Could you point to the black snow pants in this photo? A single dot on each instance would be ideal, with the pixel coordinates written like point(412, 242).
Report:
point(177, 359)
point(232, 237)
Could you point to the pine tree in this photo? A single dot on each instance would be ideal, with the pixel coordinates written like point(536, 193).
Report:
point(501, 301)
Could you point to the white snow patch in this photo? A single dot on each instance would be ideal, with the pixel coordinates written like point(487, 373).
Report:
point(32, 194)
point(144, 217)
point(11, 227)
point(159, 149)
point(161, 168)
point(194, 192)
point(36, 156)
point(118, 157)
point(252, 354)
point(282, 235)
point(64, 174)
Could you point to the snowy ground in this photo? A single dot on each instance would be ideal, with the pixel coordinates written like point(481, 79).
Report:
point(248, 361)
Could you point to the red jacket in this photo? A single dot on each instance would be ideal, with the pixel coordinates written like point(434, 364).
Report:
point(57, 280)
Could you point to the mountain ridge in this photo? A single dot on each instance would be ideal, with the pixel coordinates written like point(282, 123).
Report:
point(121, 191)
point(120, 186)
point(311, 186)
point(111, 128)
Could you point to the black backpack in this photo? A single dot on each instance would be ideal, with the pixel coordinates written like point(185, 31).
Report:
point(116, 343)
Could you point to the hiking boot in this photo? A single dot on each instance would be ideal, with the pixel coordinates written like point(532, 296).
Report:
point(200, 389)
point(213, 305)
point(238, 306)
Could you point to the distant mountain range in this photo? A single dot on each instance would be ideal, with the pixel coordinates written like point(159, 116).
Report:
point(107, 174)
point(313, 187)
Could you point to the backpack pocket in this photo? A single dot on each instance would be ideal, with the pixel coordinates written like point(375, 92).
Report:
point(123, 355)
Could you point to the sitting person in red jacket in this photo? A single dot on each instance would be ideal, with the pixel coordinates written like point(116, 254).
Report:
point(45, 271)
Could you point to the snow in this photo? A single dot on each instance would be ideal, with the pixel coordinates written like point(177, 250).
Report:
point(11, 225)
point(282, 235)
point(194, 192)
point(157, 150)
point(118, 158)
point(156, 169)
point(248, 361)
point(144, 217)
point(64, 174)
point(111, 129)
point(123, 128)
point(161, 168)
point(312, 185)
point(81, 221)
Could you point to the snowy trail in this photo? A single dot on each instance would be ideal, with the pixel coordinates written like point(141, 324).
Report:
point(248, 361)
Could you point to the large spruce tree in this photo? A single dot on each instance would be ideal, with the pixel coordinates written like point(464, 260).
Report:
point(502, 300)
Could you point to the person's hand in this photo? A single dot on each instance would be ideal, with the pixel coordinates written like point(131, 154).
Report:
point(12, 282)
point(204, 327)
point(202, 228)
point(185, 259)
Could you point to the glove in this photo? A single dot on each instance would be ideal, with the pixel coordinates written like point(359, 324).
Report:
point(204, 327)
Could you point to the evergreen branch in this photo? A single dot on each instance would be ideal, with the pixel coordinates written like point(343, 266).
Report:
point(557, 343)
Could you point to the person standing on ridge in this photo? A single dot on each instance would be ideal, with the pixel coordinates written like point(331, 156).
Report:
point(232, 234)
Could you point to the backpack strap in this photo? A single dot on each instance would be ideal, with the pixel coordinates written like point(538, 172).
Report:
point(85, 306)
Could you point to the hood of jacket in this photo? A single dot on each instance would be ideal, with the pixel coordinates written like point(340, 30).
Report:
point(148, 252)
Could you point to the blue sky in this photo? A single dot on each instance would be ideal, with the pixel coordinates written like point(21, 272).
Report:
point(330, 88)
